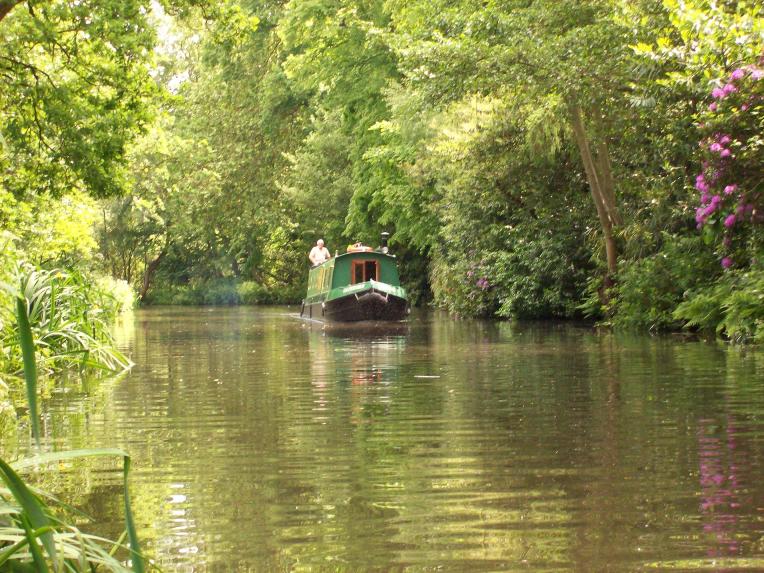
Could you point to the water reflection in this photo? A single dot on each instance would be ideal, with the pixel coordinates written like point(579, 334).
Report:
point(261, 442)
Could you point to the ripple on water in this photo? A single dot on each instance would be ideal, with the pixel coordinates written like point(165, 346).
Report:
point(260, 443)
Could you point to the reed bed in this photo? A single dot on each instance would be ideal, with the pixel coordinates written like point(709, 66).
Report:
point(55, 315)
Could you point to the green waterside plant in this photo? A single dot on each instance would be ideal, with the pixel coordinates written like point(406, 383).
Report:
point(34, 538)
point(69, 321)
point(32, 535)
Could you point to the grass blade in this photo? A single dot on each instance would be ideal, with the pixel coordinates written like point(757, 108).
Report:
point(53, 457)
point(32, 508)
point(37, 557)
point(30, 365)
point(132, 536)
point(9, 552)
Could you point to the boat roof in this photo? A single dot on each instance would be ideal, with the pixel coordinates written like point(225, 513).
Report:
point(374, 252)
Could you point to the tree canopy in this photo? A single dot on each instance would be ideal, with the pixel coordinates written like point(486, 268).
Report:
point(531, 159)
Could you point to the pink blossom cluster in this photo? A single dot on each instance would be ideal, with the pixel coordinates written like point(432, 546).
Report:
point(720, 93)
point(723, 202)
point(482, 282)
point(720, 146)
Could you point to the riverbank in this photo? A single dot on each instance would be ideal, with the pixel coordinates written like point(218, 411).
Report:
point(227, 292)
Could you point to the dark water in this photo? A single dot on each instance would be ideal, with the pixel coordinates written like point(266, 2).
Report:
point(263, 443)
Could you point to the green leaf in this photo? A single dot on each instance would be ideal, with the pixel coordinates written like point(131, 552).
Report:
point(47, 458)
point(137, 560)
point(32, 507)
point(30, 365)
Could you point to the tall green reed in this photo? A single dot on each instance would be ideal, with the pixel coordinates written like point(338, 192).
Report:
point(70, 319)
point(33, 538)
point(25, 518)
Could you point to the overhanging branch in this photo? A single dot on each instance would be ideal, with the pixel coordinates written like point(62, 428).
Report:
point(6, 6)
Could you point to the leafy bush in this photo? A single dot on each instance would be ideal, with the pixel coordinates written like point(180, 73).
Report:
point(252, 293)
point(459, 286)
point(223, 292)
point(120, 292)
point(220, 292)
point(182, 295)
point(541, 277)
point(650, 289)
point(732, 307)
point(70, 318)
point(729, 183)
point(526, 273)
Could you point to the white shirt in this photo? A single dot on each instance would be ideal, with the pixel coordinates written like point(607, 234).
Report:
point(319, 254)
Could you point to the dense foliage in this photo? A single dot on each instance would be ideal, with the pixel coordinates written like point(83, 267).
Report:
point(532, 159)
point(593, 158)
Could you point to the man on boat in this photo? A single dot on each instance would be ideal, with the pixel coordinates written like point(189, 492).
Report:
point(319, 253)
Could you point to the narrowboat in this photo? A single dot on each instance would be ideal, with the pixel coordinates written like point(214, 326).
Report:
point(361, 284)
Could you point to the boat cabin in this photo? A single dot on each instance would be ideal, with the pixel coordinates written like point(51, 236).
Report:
point(350, 269)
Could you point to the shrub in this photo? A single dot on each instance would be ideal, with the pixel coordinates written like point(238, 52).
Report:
point(729, 184)
point(252, 293)
point(223, 292)
point(70, 319)
point(732, 307)
point(650, 289)
point(121, 293)
point(220, 292)
point(182, 295)
point(529, 273)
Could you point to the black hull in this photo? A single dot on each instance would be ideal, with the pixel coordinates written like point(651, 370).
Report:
point(367, 305)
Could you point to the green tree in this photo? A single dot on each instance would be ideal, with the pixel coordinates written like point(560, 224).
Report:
point(568, 59)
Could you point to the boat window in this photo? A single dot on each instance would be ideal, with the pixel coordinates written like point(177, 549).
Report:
point(363, 271)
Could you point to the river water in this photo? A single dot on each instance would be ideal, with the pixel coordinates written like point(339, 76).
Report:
point(264, 443)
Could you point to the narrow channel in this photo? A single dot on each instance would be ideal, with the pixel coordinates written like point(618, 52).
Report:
point(262, 442)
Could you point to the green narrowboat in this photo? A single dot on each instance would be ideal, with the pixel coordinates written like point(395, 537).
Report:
point(361, 284)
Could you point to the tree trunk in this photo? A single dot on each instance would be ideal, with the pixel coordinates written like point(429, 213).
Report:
point(6, 6)
point(148, 274)
point(600, 179)
point(608, 185)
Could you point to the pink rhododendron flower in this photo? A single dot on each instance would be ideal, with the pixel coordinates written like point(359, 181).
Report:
point(725, 153)
point(725, 140)
point(737, 74)
point(744, 107)
point(715, 147)
point(712, 106)
point(729, 88)
point(730, 189)
point(717, 93)
point(729, 221)
point(726, 262)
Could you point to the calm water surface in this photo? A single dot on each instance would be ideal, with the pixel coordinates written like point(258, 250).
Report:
point(264, 443)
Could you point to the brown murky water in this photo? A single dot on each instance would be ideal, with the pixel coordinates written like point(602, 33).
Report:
point(263, 443)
